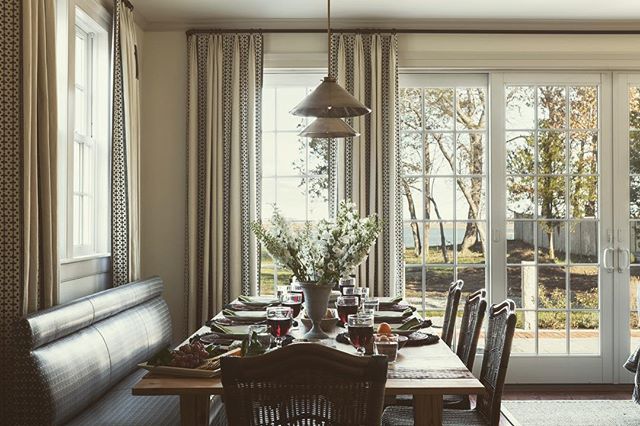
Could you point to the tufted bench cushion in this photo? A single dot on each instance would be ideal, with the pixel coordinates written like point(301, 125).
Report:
point(77, 362)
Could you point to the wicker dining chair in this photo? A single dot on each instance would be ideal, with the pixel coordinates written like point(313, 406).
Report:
point(304, 384)
point(502, 324)
point(451, 311)
point(470, 328)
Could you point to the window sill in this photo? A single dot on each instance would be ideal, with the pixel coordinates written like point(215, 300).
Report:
point(85, 258)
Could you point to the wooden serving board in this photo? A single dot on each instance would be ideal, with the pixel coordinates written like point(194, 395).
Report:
point(189, 372)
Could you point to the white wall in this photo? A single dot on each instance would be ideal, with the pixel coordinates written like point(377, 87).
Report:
point(163, 82)
point(163, 172)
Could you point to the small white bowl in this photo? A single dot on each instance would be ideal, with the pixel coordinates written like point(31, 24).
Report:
point(328, 324)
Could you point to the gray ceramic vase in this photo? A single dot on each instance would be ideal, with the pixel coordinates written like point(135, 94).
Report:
point(316, 301)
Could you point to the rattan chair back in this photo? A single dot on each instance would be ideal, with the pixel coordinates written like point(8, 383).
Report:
point(304, 384)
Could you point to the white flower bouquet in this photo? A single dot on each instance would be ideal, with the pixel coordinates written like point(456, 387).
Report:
point(321, 253)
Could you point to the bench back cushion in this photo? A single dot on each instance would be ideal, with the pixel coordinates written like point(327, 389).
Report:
point(72, 354)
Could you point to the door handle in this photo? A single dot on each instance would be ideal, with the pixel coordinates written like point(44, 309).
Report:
point(627, 256)
point(605, 258)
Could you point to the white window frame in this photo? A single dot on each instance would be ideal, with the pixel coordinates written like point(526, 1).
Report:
point(95, 22)
point(86, 271)
point(287, 78)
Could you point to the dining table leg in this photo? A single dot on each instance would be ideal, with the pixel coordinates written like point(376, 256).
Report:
point(427, 410)
point(194, 410)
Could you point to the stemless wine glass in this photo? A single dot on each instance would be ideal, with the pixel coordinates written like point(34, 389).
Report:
point(360, 331)
point(279, 319)
point(295, 287)
point(371, 303)
point(346, 305)
point(364, 294)
point(282, 289)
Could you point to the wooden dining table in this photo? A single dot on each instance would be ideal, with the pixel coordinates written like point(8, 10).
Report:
point(426, 372)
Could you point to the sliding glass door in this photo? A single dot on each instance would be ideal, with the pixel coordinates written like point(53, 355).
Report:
point(444, 149)
point(626, 230)
point(507, 184)
point(553, 219)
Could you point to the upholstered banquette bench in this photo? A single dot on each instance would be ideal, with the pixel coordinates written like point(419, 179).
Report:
point(77, 362)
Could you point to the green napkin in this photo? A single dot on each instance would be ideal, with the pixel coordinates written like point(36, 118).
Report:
point(390, 300)
point(259, 300)
point(235, 330)
point(394, 315)
point(411, 324)
point(245, 315)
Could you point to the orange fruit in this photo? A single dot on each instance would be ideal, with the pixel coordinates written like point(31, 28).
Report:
point(384, 328)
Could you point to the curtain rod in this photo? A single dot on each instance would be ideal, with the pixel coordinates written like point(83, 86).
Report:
point(411, 31)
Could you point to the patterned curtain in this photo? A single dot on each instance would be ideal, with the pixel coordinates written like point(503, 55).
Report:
point(369, 171)
point(224, 134)
point(40, 135)
point(125, 145)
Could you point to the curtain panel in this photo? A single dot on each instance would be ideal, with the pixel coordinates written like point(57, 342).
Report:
point(39, 148)
point(369, 166)
point(125, 146)
point(223, 145)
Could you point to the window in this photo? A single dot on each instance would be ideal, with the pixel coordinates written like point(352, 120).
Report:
point(85, 152)
point(295, 170)
point(443, 137)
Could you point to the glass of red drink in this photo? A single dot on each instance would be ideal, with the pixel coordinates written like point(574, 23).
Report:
point(293, 301)
point(279, 320)
point(296, 288)
point(360, 331)
point(346, 305)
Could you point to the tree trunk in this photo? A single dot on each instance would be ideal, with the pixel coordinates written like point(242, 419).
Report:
point(476, 162)
point(415, 230)
point(552, 250)
point(443, 239)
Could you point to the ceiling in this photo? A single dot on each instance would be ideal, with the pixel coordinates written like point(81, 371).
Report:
point(389, 13)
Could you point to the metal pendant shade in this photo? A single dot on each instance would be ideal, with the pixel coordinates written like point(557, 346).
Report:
point(329, 99)
point(329, 103)
point(328, 127)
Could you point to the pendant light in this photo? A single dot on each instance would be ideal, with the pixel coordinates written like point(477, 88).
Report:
point(330, 102)
point(327, 128)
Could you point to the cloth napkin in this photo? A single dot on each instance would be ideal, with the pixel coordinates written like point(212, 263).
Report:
point(233, 330)
point(412, 324)
point(386, 301)
point(259, 300)
point(245, 315)
point(392, 316)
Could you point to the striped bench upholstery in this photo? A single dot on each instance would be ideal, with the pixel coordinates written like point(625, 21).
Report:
point(78, 361)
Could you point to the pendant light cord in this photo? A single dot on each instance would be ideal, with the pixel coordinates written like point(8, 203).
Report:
point(329, 38)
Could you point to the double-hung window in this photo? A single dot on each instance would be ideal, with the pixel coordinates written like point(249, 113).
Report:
point(295, 170)
point(84, 143)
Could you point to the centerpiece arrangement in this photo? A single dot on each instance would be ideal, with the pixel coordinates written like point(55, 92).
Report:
point(319, 254)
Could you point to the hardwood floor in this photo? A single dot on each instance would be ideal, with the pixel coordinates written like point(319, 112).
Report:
point(569, 392)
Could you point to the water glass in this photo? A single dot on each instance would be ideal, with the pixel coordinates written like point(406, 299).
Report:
point(346, 283)
point(388, 348)
point(360, 331)
point(371, 303)
point(282, 290)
